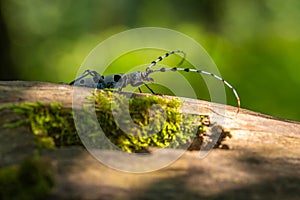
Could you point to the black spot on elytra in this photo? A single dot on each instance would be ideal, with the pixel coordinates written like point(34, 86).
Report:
point(117, 78)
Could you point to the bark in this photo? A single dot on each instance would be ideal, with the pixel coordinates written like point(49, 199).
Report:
point(263, 161)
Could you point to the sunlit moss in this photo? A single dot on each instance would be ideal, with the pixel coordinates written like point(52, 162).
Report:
point(152, 121)
point(156, 121)
point(52, 125)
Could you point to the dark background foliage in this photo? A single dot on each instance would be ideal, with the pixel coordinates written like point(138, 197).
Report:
point(255, 44)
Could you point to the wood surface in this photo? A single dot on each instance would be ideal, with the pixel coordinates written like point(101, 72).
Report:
point(263, 162)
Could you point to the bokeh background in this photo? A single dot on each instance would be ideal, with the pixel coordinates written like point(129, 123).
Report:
point(255, 43)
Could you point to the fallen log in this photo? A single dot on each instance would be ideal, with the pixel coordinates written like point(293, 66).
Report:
point(263, 161)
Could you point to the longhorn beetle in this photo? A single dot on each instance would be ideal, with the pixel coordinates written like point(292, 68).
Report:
point(137, 79)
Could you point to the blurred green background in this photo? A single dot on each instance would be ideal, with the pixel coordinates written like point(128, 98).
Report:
point(255, 43)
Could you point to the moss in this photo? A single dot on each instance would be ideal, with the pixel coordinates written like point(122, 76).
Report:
point(158, 122)
point(32, 179)
point(52, 125)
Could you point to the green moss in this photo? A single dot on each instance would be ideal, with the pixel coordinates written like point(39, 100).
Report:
point(133, 138)
point(157, 122)
point(32, 179)
point(52, 125)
